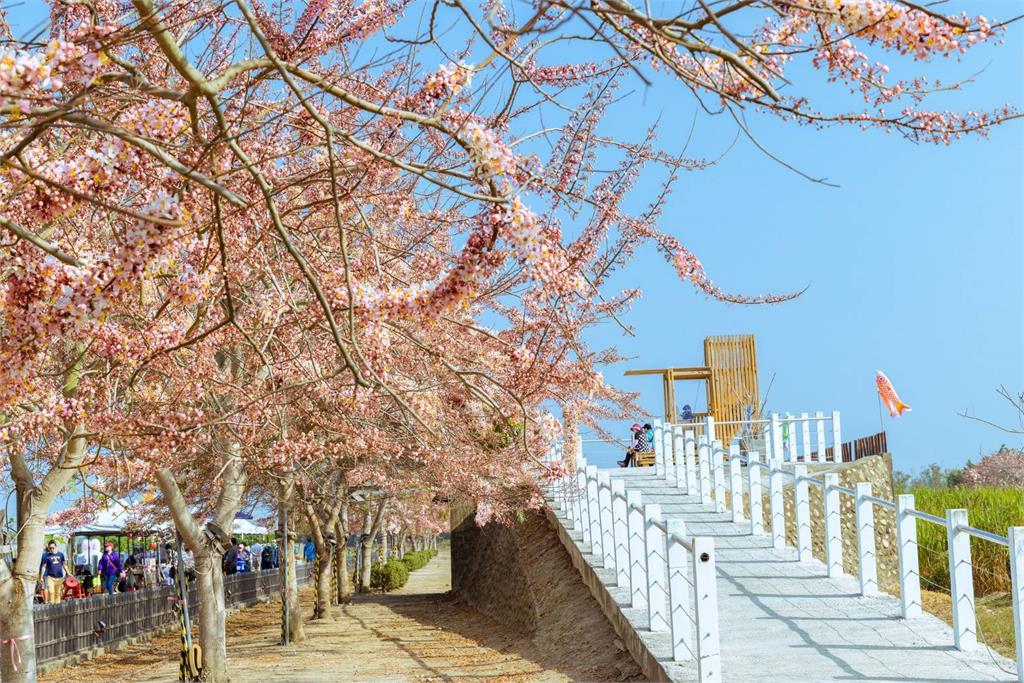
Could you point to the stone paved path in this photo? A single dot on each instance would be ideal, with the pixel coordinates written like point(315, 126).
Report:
point(783, 620)
point(415, 634)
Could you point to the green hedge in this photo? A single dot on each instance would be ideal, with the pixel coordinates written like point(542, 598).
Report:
point(418, 558)
point(389, 576)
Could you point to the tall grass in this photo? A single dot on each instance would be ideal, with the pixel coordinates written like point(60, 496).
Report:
point(991, 509)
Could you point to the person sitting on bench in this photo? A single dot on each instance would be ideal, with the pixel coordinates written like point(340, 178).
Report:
point(640, 445)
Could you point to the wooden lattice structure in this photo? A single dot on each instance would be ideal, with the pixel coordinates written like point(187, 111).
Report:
point(730, 370)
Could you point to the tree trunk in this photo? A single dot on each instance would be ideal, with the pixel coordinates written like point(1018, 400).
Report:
point(16, 623)
point(210, 596)
point(400, 550)
point(286, 567)
point(322, 607)
point(383, 546)
point(18, 653)
point(341, 560)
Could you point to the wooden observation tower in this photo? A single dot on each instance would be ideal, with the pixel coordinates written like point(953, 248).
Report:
point(730, 370)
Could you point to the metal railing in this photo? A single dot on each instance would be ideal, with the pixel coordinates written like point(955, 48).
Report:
point(668, 573)
point(698, 466)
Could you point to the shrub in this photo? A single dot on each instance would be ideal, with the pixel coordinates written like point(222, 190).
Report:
point(417, 558)
point(389, 576)
point(991, 509)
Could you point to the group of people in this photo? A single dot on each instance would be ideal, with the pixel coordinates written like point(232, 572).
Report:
point(643, 438)
point(240, 558)
point(114, 572)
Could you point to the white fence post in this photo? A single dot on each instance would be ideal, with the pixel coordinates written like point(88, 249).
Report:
point(594, 505)
point(777, 503)
point(657, 591)
point(620, 531)
point(837, 438)
point(705, 591)
point(717, 461)
point(778, 451)
point(709, 428)
point(581, 500)
point(669, 455)
point(637, 551)
point(659, 450)
point(803, 514)
point(790, 438)
point(833, 525)
point(1016, 538)
point(679, 594)
point(690, 454)
point(604, 498)
point(961, 581)
point(866, 540)
point(906, 543)
point(678, 445)
point(805, 430)
point(735, 484)
point(754, 493)
point(819, 430)
point(704, 464)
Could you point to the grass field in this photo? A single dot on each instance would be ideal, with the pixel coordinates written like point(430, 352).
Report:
point(990, 509)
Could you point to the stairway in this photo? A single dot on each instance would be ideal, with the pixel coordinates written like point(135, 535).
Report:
point(784, 620)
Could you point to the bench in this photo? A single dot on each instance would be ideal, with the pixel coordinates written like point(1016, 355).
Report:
point(644, 459)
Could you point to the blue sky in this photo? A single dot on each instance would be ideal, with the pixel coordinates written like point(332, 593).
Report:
point(914, 265)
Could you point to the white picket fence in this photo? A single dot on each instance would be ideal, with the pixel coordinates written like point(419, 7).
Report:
point(698, 465)
point(668, 573)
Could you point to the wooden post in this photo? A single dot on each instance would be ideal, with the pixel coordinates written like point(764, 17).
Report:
point(906, 545)
point(637, 550)
point(679, 594)
point(866, 540)
point(961, 581)
point(657, 593)
point(754, 493)
point(833, 526)
point(704, 464)
point(803, 514)
point(717, 460)
point(620, 529)
point(777, 503)
point(705, 588)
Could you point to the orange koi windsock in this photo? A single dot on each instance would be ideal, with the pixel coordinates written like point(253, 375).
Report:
point(889, 398)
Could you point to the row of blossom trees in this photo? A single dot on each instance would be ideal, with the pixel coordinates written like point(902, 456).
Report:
point(277, 252)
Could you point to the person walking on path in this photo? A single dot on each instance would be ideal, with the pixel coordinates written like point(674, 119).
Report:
point(110, 568)
point(54, 567)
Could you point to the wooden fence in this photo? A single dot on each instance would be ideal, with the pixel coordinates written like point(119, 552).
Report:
point(859, 448)
point(73, 625)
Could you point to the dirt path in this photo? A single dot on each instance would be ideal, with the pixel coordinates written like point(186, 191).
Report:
point(415, 634)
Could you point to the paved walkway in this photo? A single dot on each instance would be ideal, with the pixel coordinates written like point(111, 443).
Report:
point(414, 634)
point(783, 620)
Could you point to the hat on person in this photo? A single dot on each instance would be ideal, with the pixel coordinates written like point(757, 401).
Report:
point(636, 427)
